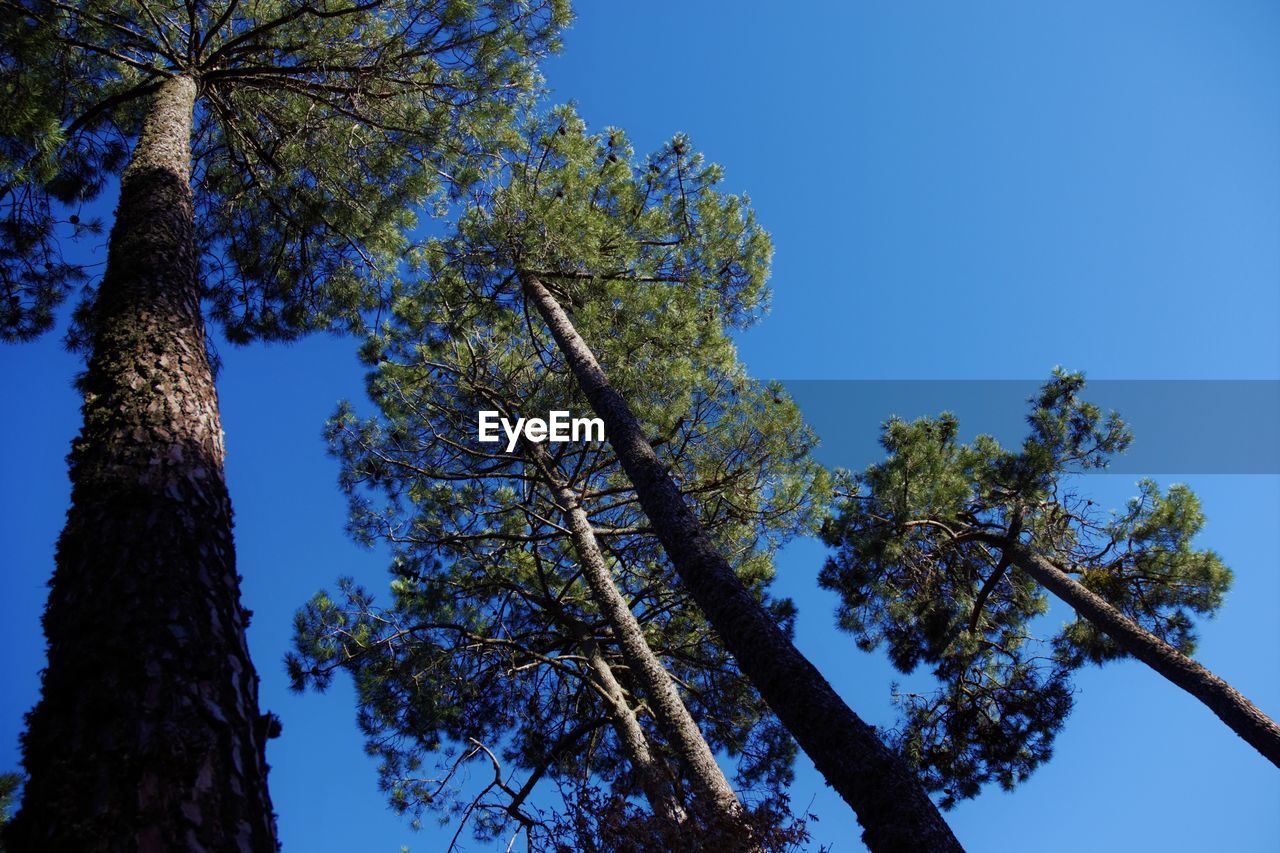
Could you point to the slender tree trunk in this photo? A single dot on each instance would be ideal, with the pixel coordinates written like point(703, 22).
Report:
point(635, 743)
point(713, 790)
point(894, 810)
point(147, 735)
point(1241, 716)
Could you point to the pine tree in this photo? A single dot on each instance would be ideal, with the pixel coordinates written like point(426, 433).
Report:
point(9, 785)
point(270, 152)
point(945, 552)
point(579, 228)
point(420, 479)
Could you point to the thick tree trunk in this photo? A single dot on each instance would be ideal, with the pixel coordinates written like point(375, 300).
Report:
point(715, 795)
point(147, 735)
point(894, 810)
point(635, 743)
point(1242, 716)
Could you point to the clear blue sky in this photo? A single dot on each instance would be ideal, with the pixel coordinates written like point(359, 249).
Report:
point(978, 190)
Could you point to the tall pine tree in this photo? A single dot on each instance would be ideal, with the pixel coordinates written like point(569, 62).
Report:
point(578, 229)
point(267, 153)
point(946, 552)
point(420, 479)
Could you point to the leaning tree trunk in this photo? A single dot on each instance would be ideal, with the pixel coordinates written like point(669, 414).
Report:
point(894, 810)
point(147, 735)
point(1241, 716)
point(716, 799)
point(648, 768)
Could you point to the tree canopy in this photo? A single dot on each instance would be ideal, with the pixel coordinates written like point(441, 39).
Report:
point(474, 528)
point(320, 129)
point(922, 566)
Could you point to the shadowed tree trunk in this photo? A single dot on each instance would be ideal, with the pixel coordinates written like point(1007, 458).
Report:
point(147, 735)
point(648, 768)
point(895, 812)
point(1241, 716)
point(711, 787)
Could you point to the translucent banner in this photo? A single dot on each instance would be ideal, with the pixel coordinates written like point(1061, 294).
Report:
point(1211, 426)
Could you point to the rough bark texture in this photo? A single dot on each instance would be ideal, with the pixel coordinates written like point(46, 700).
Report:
point(1242, 716)
point(895, 812)
point(712, 789)
point(147, 735)
point(648, 768)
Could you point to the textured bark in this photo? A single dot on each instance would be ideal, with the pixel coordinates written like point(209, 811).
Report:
point(648, 768)
point(894, 810)
point(147, 735)
point(714, 793)
point(1241, 716)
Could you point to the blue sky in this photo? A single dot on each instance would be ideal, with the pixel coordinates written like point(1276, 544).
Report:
point(979, 190)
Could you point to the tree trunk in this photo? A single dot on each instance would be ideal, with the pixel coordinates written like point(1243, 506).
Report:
point(648, 768)
point(894, 810)
point(147, 735)
point(1242, 716)
point(715, 795)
